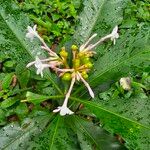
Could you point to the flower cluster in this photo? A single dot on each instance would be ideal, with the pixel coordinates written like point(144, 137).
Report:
point(76, 71)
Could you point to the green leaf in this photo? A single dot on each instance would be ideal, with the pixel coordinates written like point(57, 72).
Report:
point(112, 62)
point(23, 75)
point(99, 17)
point(20, 137)
point(8, 102)
point(121, 119)
point(13, 28)
point(91, 136)
point(7, 81)
point(37, 99)
point(126, 55)
point(2, 116)
point(21, 109)
point(9, 64)
point(57, 136)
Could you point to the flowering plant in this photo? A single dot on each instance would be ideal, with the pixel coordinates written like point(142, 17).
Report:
point(81, 63)
point(52, 110)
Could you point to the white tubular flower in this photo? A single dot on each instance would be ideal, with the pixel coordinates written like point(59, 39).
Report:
point(86, 84)
point(64, 110)
point(53, 54)
point(39, 65)
point(114, 34)
point(31, 32)
point(85, 46)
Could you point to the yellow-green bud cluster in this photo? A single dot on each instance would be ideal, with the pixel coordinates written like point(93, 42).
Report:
point(86, 61)
point(81, 62)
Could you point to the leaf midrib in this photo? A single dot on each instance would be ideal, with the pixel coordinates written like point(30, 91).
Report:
point(76, 118)
point(24, 46)
point(93, 104)
point(55, 131)
point(18, 137)
point(114, 66)
point(107, 70)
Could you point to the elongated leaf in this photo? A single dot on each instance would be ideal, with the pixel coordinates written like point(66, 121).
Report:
point(92, 136)
point(37, 99)
point(7, 81)
point(99, 16)
point(56, 136)
point(121, 59)
point(14, 136)
point(132, 49)
point(8, 102)
point(23, 77)
point(136, 133)
point(13, 27)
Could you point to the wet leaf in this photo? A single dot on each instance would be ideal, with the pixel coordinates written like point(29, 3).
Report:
point(112, 62)
point(99, 17)
point(7, 81)
point(13, 28)
point(57, 136)
point(91, 136)
point(37, 98)
point(8, 102)
point(20, 137)
point(122, 121)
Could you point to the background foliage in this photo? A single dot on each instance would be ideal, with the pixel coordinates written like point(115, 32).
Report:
point(123, 114)
point(55, 19)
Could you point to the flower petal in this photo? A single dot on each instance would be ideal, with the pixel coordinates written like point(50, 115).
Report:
point(87, 85)
point(115, 30)
point(82, 47)
point(57, 110)
point(34, 27)
point(31, 33)
point(65, 110)
point(30, 64)
point(29, 29)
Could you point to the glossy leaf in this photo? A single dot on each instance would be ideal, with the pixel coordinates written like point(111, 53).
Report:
point(13, 28)
point(8, 102)
point(20, 137)
point(118, 119)
point(37, 98)
point(112, 62)
point(91, 136)
point(57, 136)
point(7, 81)
point(99, 17)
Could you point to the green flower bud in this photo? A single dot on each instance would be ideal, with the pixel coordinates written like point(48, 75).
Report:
point(66, 76)
point(63, 52)
point(89, 65)
point(76, 63)
point(74, 47)
point(86, 60)
point(84, 75)
point(80, 54)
